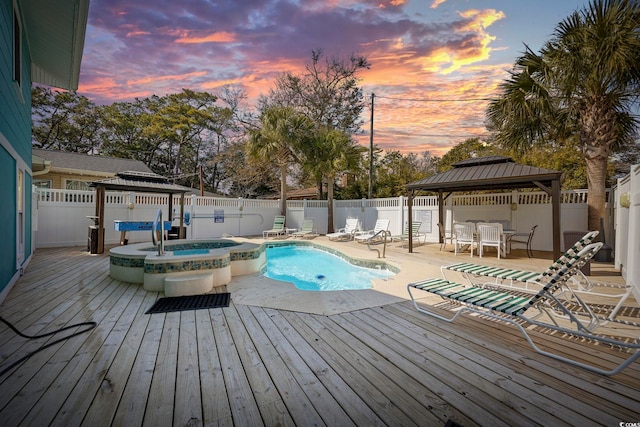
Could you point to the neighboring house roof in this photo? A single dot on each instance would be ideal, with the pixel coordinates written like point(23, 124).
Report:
point(55, 32)
point(297, 194)
point(61, 161)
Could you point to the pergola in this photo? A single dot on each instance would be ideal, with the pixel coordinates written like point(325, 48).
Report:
point(142, 182)
point(490, 173)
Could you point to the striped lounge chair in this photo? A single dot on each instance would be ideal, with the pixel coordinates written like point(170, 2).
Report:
point(307, 231)
point(515, 308)
point(530, 280)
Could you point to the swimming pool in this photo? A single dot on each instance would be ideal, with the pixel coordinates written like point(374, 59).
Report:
point(313, 269)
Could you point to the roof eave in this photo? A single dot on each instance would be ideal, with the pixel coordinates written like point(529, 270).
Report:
point(55, 31)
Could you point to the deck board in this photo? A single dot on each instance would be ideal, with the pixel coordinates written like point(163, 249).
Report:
point(250, 365)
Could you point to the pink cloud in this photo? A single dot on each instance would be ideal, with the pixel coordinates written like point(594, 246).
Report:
point(218, 37)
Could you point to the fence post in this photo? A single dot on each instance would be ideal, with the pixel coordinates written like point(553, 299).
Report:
point(402, 215)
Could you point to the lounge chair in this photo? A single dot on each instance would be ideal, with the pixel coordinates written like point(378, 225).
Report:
point(515, 309)
point(306, 231)
point(404, 237)
point(532, 281)
point(277, 229)
point(378, 234)
point(351, 227)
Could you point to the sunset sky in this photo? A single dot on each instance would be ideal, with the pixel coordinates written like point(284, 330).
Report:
point(422, 52)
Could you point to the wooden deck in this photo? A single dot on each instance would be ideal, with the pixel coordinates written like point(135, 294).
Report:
point(249, 366)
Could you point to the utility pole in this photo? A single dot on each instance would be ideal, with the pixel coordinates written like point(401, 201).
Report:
point(201, 180)
point(373, 95)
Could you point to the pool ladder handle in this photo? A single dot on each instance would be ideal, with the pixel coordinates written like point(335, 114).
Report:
point(154, 239)
point(385, 234)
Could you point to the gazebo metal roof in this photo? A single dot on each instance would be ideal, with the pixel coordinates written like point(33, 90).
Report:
point(142, 182)
point(491, 173)
point(487, 173)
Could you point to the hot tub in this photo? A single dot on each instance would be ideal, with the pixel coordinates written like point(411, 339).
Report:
point(201, 264)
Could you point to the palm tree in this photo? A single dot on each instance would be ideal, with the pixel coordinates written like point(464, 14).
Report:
point(584, 82)
point(279, 139)
point(332, 151)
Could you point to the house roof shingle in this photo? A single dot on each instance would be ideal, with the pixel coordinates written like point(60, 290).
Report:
point(84, 163)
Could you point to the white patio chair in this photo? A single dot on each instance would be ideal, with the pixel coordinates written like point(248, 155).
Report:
point(376, 235)
point(351, 227)
point(490, 234)
point(464, 234)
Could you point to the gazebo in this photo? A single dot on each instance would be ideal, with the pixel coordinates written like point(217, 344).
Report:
point(142, 182)
point(490, 173)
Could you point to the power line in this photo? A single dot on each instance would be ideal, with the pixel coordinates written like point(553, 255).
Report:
point(434, 100)
point(433, 135)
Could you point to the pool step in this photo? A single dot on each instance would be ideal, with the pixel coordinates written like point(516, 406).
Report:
point(191, 284)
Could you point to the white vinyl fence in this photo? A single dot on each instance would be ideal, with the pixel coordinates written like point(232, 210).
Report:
point(627, 228)
point(63, 216)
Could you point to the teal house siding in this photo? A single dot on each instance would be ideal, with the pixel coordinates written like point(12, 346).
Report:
point(50, 39)
point(15, 154)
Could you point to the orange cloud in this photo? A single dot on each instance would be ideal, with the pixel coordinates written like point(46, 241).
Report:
point(394, 3)
point(177, 77)
point(478, 51)
point(481, 19)
point(138, 33)
point(217, 37)
point(436, 3)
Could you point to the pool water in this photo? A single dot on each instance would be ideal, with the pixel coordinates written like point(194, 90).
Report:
point(312, 269)
point(180, 252)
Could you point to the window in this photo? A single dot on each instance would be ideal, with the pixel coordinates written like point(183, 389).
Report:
point(42, 183)
point(77, 185)
point(17, 48)
point(20, 203)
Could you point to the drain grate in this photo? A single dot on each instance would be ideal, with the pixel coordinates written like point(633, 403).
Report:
point(192, 302)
